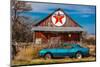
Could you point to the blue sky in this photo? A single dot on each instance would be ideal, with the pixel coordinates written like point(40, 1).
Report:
point(82, 14)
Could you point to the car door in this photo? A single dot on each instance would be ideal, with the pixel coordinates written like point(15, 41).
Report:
point(68, 51)
point(62, 52)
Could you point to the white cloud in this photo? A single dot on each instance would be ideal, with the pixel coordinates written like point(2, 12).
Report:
point(44, 8)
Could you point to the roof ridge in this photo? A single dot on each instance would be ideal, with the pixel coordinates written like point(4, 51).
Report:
point(53, 13)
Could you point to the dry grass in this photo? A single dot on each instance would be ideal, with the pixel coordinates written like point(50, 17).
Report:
point(38, 61)
point(26, 54)
point(29, 55)
point(36, 49)
point(64, 60)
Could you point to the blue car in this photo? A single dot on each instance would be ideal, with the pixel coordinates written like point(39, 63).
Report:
point(73, 50)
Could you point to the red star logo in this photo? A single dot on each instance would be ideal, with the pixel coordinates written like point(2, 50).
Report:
point(58, 18)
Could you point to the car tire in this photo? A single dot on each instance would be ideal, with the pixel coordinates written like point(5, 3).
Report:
point(78, 55)
point(48, 56)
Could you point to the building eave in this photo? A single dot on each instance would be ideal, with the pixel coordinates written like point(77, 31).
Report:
point(58, 29)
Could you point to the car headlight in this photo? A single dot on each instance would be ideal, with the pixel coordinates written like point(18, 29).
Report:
point(42, 51)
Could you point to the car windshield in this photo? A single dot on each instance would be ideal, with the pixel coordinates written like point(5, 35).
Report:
point(65, 45)
point(77, 45)
point(70, 45)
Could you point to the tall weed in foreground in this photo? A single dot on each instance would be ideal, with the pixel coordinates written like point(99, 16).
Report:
point(29, 53)
point(25, 54)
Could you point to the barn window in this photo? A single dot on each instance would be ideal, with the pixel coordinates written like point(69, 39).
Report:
point(38, 41)
point(69, 35)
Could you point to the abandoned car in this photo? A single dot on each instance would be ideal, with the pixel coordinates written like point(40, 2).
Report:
point(74, 50)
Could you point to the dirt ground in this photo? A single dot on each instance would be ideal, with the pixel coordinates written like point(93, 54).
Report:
point(28, 55)
point(53, 61)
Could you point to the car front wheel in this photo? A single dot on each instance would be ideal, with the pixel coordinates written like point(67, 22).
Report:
point(48, 56)
point(78, 55)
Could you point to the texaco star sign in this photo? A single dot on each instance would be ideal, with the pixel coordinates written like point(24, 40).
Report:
point(58, 18)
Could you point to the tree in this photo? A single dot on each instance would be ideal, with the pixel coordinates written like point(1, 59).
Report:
point(20, 31)
point(19, 6)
